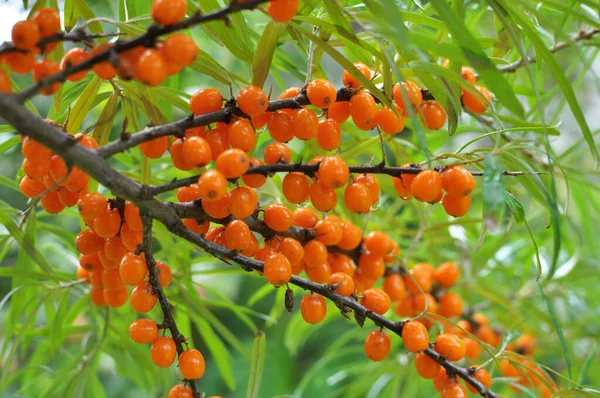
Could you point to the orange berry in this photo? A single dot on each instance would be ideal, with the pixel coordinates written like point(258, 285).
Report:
point(293, 250)
point(104, 69)
point(177, 157)
point(30, 187)
point(242, 135)
point(115, 298)
point(363, 107)
point(212, 185)
point(252, 100)
point(341, 263)
point(412, 92)
point(163, 351)
point(206, 101)
point(346, 283)
point(454, 391)
point(432, 115)
point(19, 62)
point(442, 379)
point(371, 266)
point(255, 180)
point(96, 278)
point(131, 239)
point(74, 57)
point(422, 276)
point(456, 206)
point(132, 217)
point(446, 274)
point(376, 300)
point(133, 269)
point(191, 364)
point(155, 148)
point(111, 279)
point(142, 298)
point(329, 134)
point(151, 67)
point(233, 163)
point(426, 186)
point(483, 377)
point(196, 151)
point(237, 235)
point(357, 198)
point(388, 121)
point(378, 243)
point(315, 253)
point(377, 345)
point(283, 10)
point(277, 269)
point(450, 347)
point(25, 34)
point(450, 305)
point(68, 198)
point(44, 69)
point(47, 21)
point(180, 49)
point(32, 149)
point(479, 102)
point(143, 331)
point(218, 208)
point(276, 153)
point(168, 12)
point(295, 187)
point(313, 308)
point(339, 111)
point(108, 223)
point(394, 286)
point(322, 197)
point(457, 181)
point(321, 93)
point(83, 273)
point(278, 217)
point(280, 126)
point(426, 367)
point(526, 344)
point(106, 262)
point(333, 172)
point(260, 121)
point(51, 203)
point(243, 202)
point(89, 262)
point(193, 225)
point(468, 74)
point(415, 336)
point(319, 274)
point(350, 81)
point(305, 124)
point(114, 249)
point(180, 391)
point(305, 217)
point(88, 242)
point(5, 83)
point(92, 205)
point(351, 236)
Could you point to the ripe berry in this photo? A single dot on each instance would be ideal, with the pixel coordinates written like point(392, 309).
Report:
point(212, 185)
point(290, 93)
point(394, 286)
point(252, 100)
point(378, 243)
point(377, 345)
point(51, 203)
point(180, 391)
point(446, 274)
point(47, 21)
point(180, 49)
point(88, 242)
point(283, 10)
point(30, 187)
point(329, 134)
point(305, 217)
point(280, 126)
point(143, 331)
point(218, 208)
point(163, 351)
point(376, 300)
point(329, 232)
point(363, 107)
point(293, 250)
point(357, 198)
point(412, 92)
point(483, 377)
point(42, 70)
point(426, 367)
point(351, 236)
point(104, 69)
point(255, 180)
point(206, 101)
point(371, 265)
point(339, 111)
point(479, 102)
point(442, 379)
point(389, 122)
point(34, 169)
point(350, 81)
point(415, 336)
point(25, 34)
point(242, 135)
point(111, 279)
point(333, 172)
point(426, 186)
point(341, 263)
point(114, 249)
point(74, 57)
point(237, 235)
point(128, 61)
point(233, 163)
point(322, 197)
point(456, 206)
point(315, 253)
point(276, 153)
point(142, 298)
point(165, 274)
point(131, 239)
point(168, 12)
point(278, 217)
point(313, 308)
point(32, 149)
point(191, 364)
point(196, 151)
point(450, 305)
point(454, 391)
point(321, 93)
point(108, 223)
point(457, 181)
point(151, 68)
point(115, 298)
point(277, 270)
point(305, 124)
point(295, 187)
point(345, 281)
point(432, 115)
point(450, 347)
point(19, 62)
point(133, 269)
point(243, 202)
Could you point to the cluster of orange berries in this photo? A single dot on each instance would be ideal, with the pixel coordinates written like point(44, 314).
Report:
point(47, 173)
point(429, 185)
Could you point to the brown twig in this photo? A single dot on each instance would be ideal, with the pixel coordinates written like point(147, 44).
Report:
point(74, 36)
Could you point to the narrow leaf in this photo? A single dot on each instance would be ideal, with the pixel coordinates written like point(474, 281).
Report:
point(257, 364)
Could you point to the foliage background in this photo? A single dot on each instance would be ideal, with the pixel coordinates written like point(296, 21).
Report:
point(54, 343)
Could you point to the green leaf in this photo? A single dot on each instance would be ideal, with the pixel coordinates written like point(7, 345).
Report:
point(25, 243)
point(257, 363)
point(83, 105)
point(79, 8)
point(515, 207)
point(263, 55)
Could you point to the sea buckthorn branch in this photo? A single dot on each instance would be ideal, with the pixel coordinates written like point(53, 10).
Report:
point(582, 35)
point(165, 305)
point(147, 39)
point(77, 36)
point(90, 162)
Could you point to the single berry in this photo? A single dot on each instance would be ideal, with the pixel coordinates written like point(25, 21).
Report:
point(415, 336)
point(426, 186)
point(143, 331)
point(313, 308)
point(168, 12)
point(252, 100)
point(191, 364)
point(163, 351)
point(376, 300)
point(350, 81)
point(344, 283)
point(277, 270)
point(278, 217)
point(295, 187)
point(377, 345)
point(450, 347)
point(321, 93)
